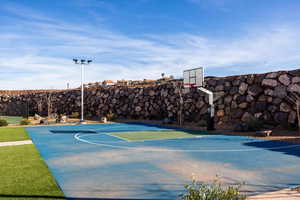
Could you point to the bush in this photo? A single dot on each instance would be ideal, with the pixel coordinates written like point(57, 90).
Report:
point(214, 191)
point(255, 124)
point(110, 116)
point(74, 115)
point(203, 123)
point(3, 122)
point(24, 122)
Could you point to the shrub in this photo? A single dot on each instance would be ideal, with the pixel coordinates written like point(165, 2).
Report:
point(214, 191)
point(203, 123)
point(255, 124)
point(24, 122)
point(3, 122)
point(75, 115)
point(111, 116)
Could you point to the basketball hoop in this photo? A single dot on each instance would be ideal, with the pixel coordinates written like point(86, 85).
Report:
point(187, 87)
point(194, 78)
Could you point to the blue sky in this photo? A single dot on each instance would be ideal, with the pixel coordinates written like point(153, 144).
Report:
point(137, 39)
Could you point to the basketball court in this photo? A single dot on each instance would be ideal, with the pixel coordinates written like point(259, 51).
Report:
point(140, 161)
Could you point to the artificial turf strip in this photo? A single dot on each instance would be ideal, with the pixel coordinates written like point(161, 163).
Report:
point(12, 119)
point(155, 135)
point(8, 134)
point(24, 175)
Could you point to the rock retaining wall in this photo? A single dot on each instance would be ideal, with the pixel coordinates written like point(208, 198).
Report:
point(237, 98)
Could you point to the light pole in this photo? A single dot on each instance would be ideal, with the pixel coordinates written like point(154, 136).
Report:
point(82, 62)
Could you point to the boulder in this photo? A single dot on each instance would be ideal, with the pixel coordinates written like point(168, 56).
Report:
point(265, 133)
point(269, 99)
point(227, 99)
point(280, 91)
point(272, 108)
point(220, 113)
point(233, 90)
point(294, 88)
point(260, 106)
point(246, 117)
point(284, 107)
point(281, 117)
point(258, 115)
point(296, 79)
point(254, 90)
point(236, 82)
point(243, 88)
point(262, 98)
point(37, 117)
point(250, 79)
point(269, 92)
point(151, 93)
point(243, 105)
point(276, 101)
point(269, 83)
point(292, 117)
point(295, 72)
point(212, 82)
point(227, 84)
point(237, 113)
point(234, 105)
point(272, 75)
point(249, 98)
point(103, 120)
point(199, 104)
point(219, 88)
point(284, 79)
point(138, 108)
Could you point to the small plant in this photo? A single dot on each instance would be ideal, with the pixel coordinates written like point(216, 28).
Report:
point(74, 115)
point(3, 122)
point(110, 116)
point(203, 123)
point(214, 191)
point(24, 122)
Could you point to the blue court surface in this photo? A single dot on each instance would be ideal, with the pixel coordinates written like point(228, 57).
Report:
point(87, 162)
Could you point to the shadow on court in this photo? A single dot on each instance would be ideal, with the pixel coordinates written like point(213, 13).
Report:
point(278, 146)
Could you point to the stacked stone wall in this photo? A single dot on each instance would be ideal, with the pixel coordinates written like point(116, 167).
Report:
point(237, 98)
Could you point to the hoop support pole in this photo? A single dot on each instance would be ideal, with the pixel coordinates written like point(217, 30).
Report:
point(210, 99)
point(211, 109)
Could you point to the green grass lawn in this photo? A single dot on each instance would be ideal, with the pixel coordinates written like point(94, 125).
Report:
point(24, 175)
point(12, 134)
point(156, 135)
point(12, 119)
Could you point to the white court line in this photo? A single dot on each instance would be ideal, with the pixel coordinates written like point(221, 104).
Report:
point(15, 143)
point(78, 137)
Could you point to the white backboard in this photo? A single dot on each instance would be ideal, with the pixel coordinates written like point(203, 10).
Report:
point(193, 77)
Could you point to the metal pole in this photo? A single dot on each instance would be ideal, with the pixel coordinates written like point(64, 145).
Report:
point(82, 90)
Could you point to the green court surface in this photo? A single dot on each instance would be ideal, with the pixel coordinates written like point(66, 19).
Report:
point(156, 135)
point(12, 119)
point(8, 134)
point(24, 175)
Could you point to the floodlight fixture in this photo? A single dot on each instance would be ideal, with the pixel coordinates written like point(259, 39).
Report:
point(75, 60)
point(82, 63)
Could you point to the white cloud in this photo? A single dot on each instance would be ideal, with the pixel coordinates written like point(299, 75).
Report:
point(40, 56)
